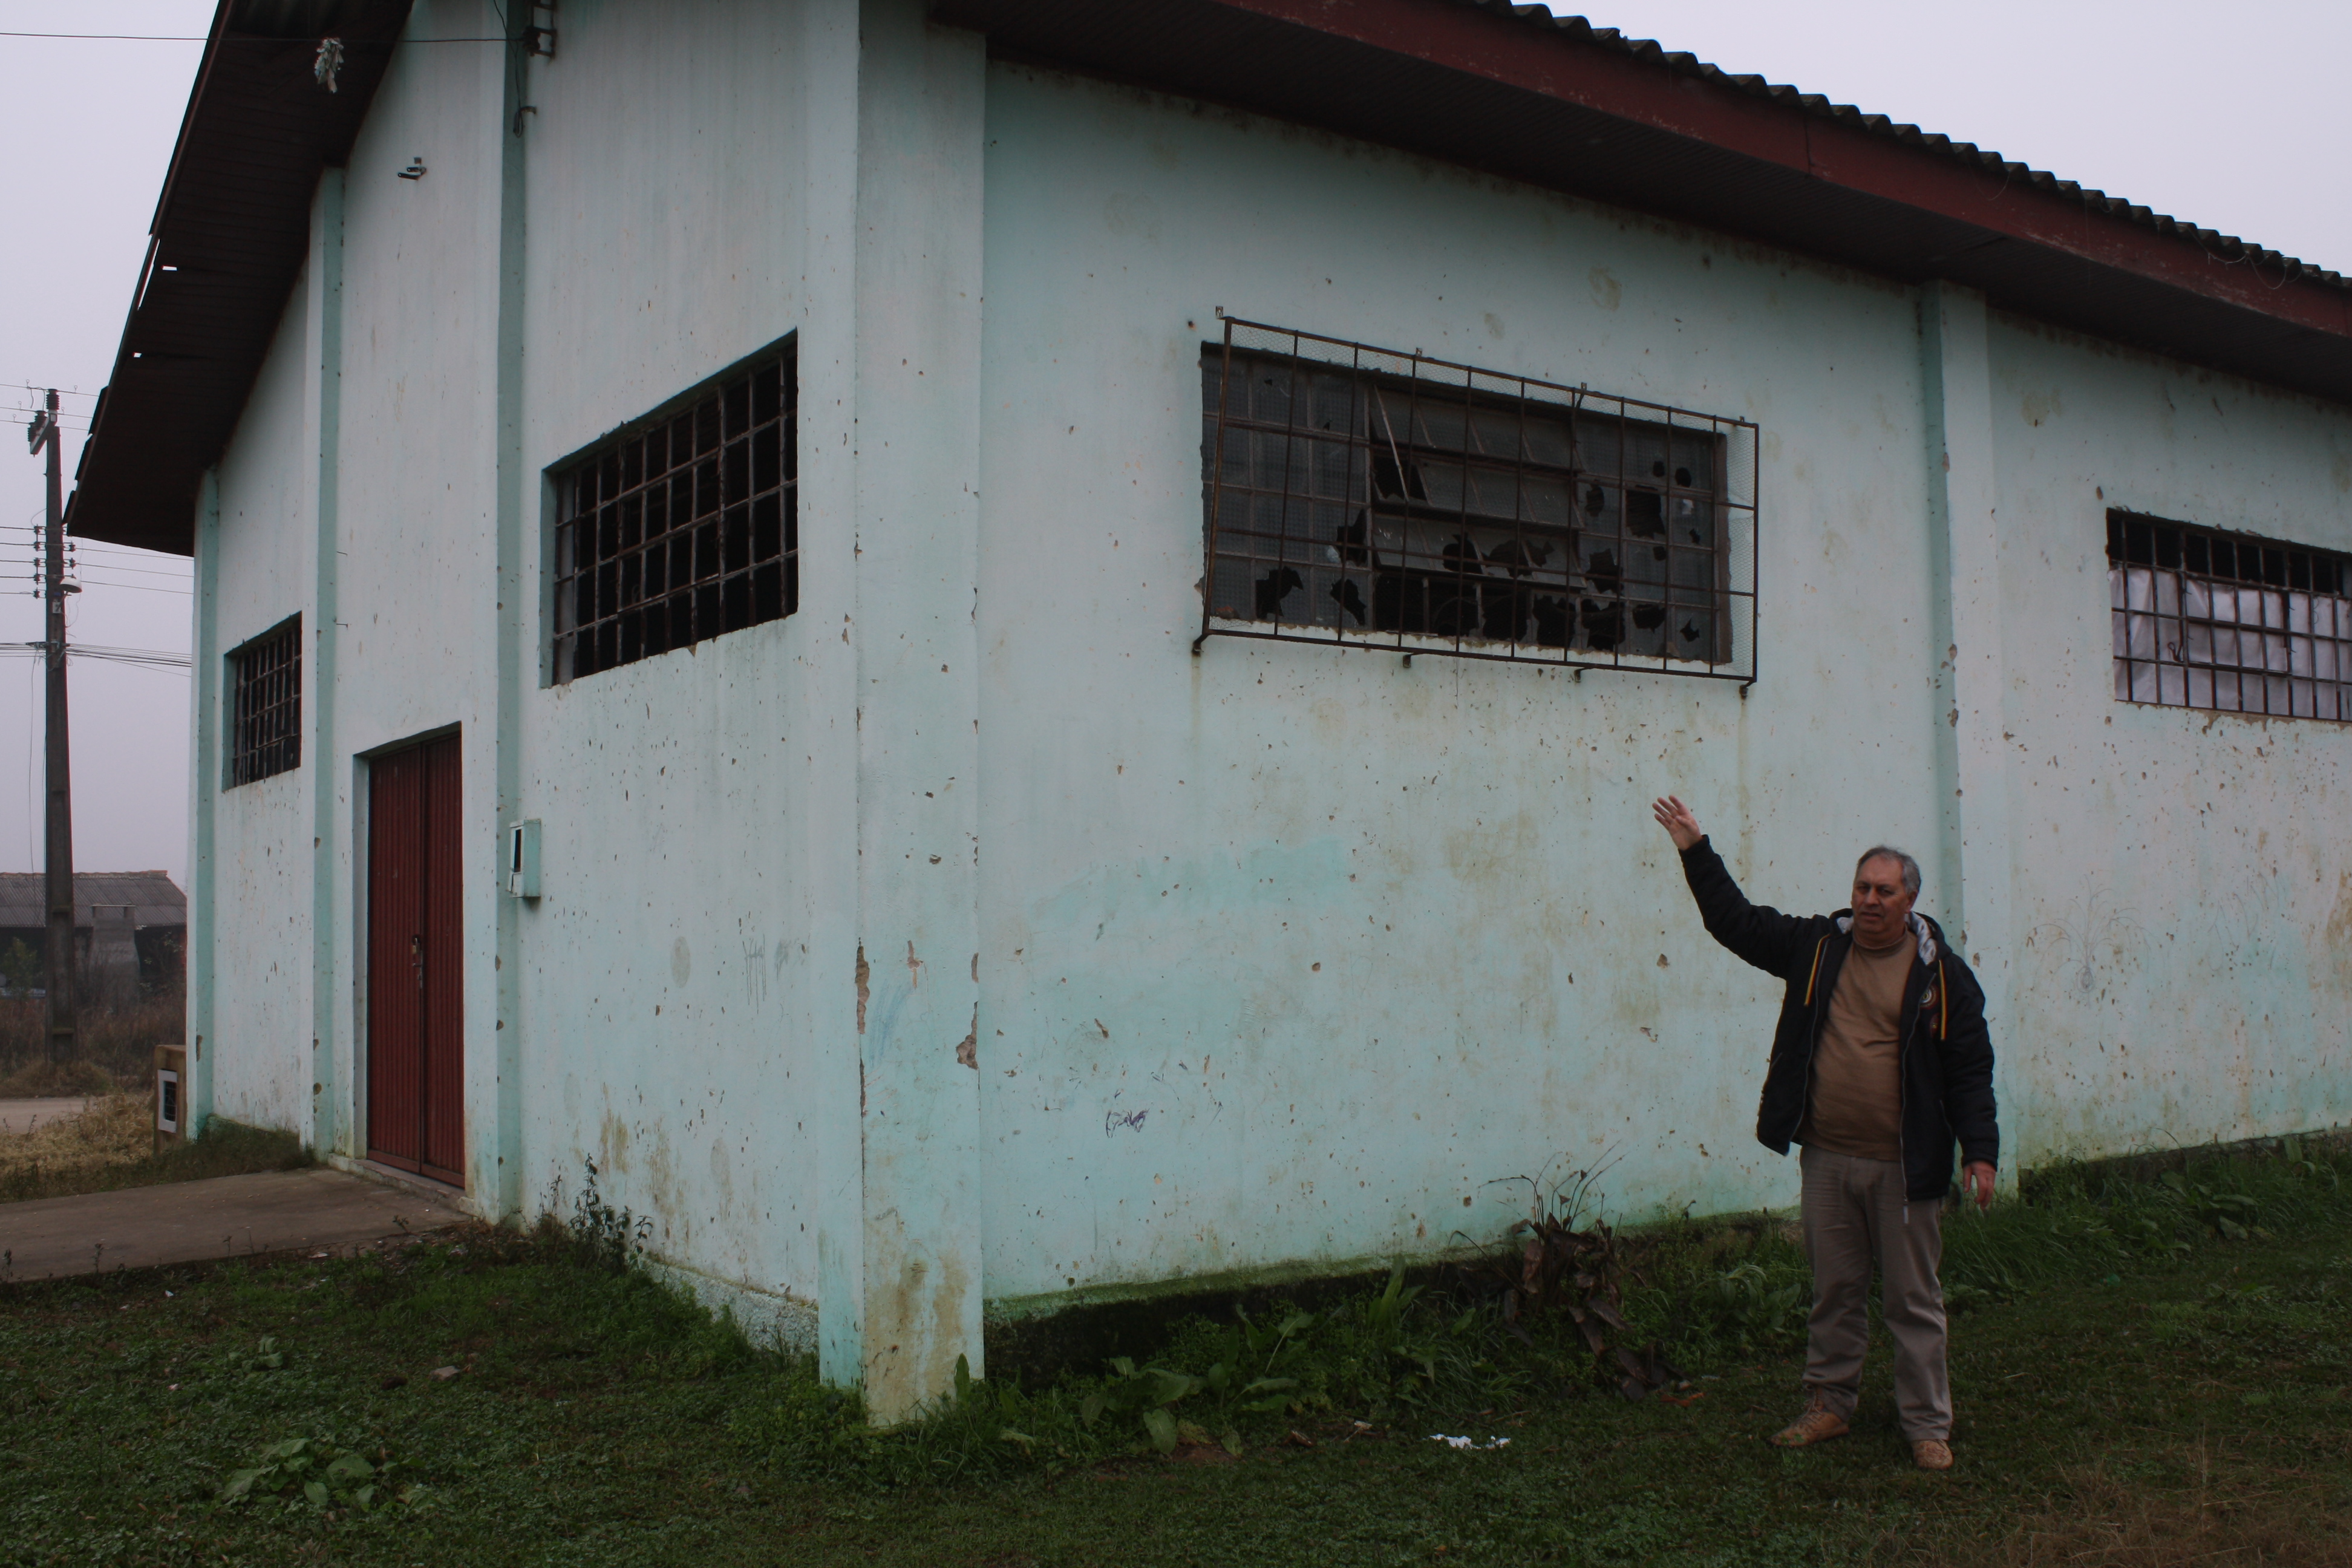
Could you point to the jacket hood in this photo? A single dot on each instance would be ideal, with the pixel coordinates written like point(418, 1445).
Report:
point(1929, 933)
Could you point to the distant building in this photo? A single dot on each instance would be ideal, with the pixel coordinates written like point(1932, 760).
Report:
point(1090, 598)
point(129, 927)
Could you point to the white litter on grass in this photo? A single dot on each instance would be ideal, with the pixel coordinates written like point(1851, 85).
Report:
point(1470, 1443)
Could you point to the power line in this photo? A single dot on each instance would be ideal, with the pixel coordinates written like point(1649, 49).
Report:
point(231, 39)
point(106, 560)
point(130, 587)
point(107, 648)
point(161, 655)
point(77, 654)
point(77, 651)
point(109, 566)
point(105, 566)
point(116, 37)
point(78, 543)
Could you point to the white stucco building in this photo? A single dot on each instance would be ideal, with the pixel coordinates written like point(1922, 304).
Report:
point(763, 446)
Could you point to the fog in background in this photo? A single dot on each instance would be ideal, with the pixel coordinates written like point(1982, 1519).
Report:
point(90, 128)
point(2221, 116)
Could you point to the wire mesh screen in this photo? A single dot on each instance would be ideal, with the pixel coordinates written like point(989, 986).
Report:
point(265, 705)
point(1373, 499)
point(682, 530)
point(2212, 620)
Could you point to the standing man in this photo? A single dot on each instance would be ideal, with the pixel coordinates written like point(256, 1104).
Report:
point(1880, 1063)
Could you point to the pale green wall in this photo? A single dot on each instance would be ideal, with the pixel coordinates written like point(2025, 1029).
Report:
point(963, 938)
point(2184, 881)
point(1171, 846)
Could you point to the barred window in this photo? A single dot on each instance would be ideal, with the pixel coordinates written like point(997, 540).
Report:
point(265, 704)
point(2206, 619)
point(1368, 498)
point(682, 529)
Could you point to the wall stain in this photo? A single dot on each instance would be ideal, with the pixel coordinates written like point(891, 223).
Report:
point(2089, 939)
point(2338, 942)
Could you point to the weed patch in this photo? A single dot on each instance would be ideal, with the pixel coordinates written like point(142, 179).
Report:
point(321, 1475)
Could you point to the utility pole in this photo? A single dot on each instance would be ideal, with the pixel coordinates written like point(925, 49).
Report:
point(58, 861)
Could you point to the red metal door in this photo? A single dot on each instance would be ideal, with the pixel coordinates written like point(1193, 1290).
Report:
point(445, 971)
point(415, 973)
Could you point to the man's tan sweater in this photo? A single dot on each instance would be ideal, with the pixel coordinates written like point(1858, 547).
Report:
point(1855, 1104)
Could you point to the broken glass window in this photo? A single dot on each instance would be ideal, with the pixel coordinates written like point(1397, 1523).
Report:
point(1410, 502)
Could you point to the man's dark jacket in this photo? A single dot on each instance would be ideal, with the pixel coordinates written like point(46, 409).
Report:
point(1944, 1070)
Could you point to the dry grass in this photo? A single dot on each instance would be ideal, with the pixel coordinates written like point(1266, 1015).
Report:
point(111, 1145)
point(2247, 1517)
point(38, 1079)
point(117, 1130)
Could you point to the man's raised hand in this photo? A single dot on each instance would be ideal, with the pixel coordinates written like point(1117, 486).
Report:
point(1677, 819)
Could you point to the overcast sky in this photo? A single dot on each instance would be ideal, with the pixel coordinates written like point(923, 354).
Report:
point(2223, 116)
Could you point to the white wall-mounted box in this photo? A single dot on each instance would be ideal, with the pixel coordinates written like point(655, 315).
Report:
point(522, 859)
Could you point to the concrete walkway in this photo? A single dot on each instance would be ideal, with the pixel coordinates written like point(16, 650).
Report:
point(25, 1115)
point(192, 1222)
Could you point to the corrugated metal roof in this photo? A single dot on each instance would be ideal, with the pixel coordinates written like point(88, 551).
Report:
point(2224, 246)
point(1557, 102)
point(153, 899)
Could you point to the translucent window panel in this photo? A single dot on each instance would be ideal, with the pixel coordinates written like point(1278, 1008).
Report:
point(2204, 620)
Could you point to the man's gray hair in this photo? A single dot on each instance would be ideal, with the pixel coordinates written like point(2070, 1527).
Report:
point(1888, 852)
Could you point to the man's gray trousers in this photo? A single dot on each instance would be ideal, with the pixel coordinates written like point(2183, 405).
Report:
point(1855, 1214)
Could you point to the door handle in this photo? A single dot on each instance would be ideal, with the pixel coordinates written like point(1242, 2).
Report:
point(417, 959)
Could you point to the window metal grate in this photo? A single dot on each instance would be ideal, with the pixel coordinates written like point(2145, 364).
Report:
point(265, 722)
point(2205, 620)
point(683, 530)
point(1373, 499)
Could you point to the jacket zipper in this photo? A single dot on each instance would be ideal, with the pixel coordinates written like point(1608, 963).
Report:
point(1814, 998)
point(1902, 1094)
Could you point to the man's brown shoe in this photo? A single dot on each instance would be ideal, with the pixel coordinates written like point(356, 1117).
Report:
point(1819, 1423)
point(1932, 1454)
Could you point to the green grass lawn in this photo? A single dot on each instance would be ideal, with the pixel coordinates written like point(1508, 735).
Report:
point(2190, 1402)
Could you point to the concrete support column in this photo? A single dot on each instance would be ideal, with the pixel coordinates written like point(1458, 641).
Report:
point(891, 390)
point(329, 1100)
point(499, 1160)
point(1963, 497)
point(204, 795)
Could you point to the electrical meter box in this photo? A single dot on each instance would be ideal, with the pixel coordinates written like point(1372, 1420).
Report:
point(522, 860)
point(170, 1096)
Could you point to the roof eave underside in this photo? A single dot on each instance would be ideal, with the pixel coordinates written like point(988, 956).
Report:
point(1560, 105)
point(228, 241)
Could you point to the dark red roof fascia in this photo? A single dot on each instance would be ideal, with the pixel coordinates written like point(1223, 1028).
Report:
point(1507, 50)
point(1558, 104)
